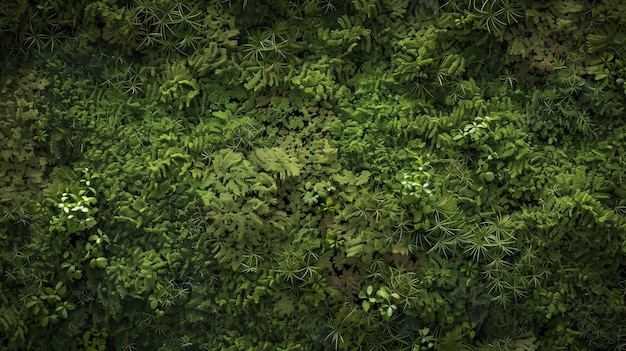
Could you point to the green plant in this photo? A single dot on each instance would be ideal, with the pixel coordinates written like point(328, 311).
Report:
point(418, 195)
point(299, 162)
point(425, 339)
point(334, 240)
point(456, 339)
point(76, 211)
point(382, 300)
point(95, 248)
point(336, 331)
point(267, 45)
point(94, 340)
point(50, 306)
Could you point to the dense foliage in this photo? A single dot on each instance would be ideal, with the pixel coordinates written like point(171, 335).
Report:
point(312, 175)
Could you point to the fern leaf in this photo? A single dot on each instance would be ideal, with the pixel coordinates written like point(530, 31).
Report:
point(276, 161)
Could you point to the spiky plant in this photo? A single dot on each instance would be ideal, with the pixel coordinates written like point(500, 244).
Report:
point(489, 17)
point(241, 135)
point(42, 34)
point(336, 330)
point(478, 244)
point(445, 234)
point(265, 46)
point(407, 285)
point(509, 11)
point(251, 261)
point(403, 226)
point(375, 268)
point(289, 265)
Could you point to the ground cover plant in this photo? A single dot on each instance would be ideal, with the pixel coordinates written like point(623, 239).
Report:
point(312, 175)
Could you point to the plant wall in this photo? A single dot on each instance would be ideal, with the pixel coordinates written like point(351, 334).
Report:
point(312, 175)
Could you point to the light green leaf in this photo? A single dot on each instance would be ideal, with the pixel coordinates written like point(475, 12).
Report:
point(366, 305)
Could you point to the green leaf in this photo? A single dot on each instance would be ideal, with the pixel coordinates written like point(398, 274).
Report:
point(276, 161)
point(100, 262)
point(366, 305)
point(63, 312)
point(390, 310)
point(383, 294)
point(488, 176)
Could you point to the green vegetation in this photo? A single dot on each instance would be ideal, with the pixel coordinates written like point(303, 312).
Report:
point(312, 175)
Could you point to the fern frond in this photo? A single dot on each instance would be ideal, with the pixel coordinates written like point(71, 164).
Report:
point(276, 161)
